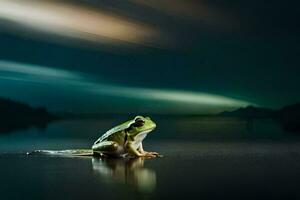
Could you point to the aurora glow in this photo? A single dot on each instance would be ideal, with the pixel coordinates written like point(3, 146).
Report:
point(72, 21)
point(149, 56)
point(82, 83)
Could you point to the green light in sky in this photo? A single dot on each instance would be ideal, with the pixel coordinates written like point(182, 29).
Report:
point(81, 83)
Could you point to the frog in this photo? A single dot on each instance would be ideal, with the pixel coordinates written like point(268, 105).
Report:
point(126, 139)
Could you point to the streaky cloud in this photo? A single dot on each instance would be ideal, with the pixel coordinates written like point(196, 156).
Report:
point(76, 81)
point(73, 21)
point(34, 70)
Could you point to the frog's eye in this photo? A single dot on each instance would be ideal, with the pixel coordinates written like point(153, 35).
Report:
point(138, 122)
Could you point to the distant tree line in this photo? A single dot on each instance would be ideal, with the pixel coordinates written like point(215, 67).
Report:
point(16, 115)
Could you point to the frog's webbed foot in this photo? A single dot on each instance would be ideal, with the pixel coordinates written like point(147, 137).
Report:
point(147, 153)
point(150, 154)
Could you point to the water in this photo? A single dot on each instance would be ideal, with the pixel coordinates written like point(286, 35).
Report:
point(205, 158)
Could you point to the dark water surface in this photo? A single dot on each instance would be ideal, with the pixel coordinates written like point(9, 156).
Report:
point(205, 158)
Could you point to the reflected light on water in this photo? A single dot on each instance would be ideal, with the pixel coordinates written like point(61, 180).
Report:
point(127, 171)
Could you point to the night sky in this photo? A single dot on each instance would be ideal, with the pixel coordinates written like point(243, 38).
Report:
point(166, 56)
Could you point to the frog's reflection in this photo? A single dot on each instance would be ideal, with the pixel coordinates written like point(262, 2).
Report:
point(128, 171)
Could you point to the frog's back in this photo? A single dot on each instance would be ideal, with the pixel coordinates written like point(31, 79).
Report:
point(118, 131)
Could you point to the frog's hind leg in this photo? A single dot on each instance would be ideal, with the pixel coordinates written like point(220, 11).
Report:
point(107, 148)
point(68, 152)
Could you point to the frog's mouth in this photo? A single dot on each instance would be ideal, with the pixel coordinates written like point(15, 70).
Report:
point(145, 132)
point(148, 130)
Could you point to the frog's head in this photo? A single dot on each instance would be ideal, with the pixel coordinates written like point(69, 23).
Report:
point(141, 125)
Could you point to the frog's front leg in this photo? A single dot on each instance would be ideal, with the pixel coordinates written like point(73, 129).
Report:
point(142, 151)
point(134, 151)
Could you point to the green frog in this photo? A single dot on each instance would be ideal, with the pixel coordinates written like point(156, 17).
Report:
point(125, 140)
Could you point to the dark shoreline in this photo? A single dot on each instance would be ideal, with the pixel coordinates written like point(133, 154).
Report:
point(15, 115)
